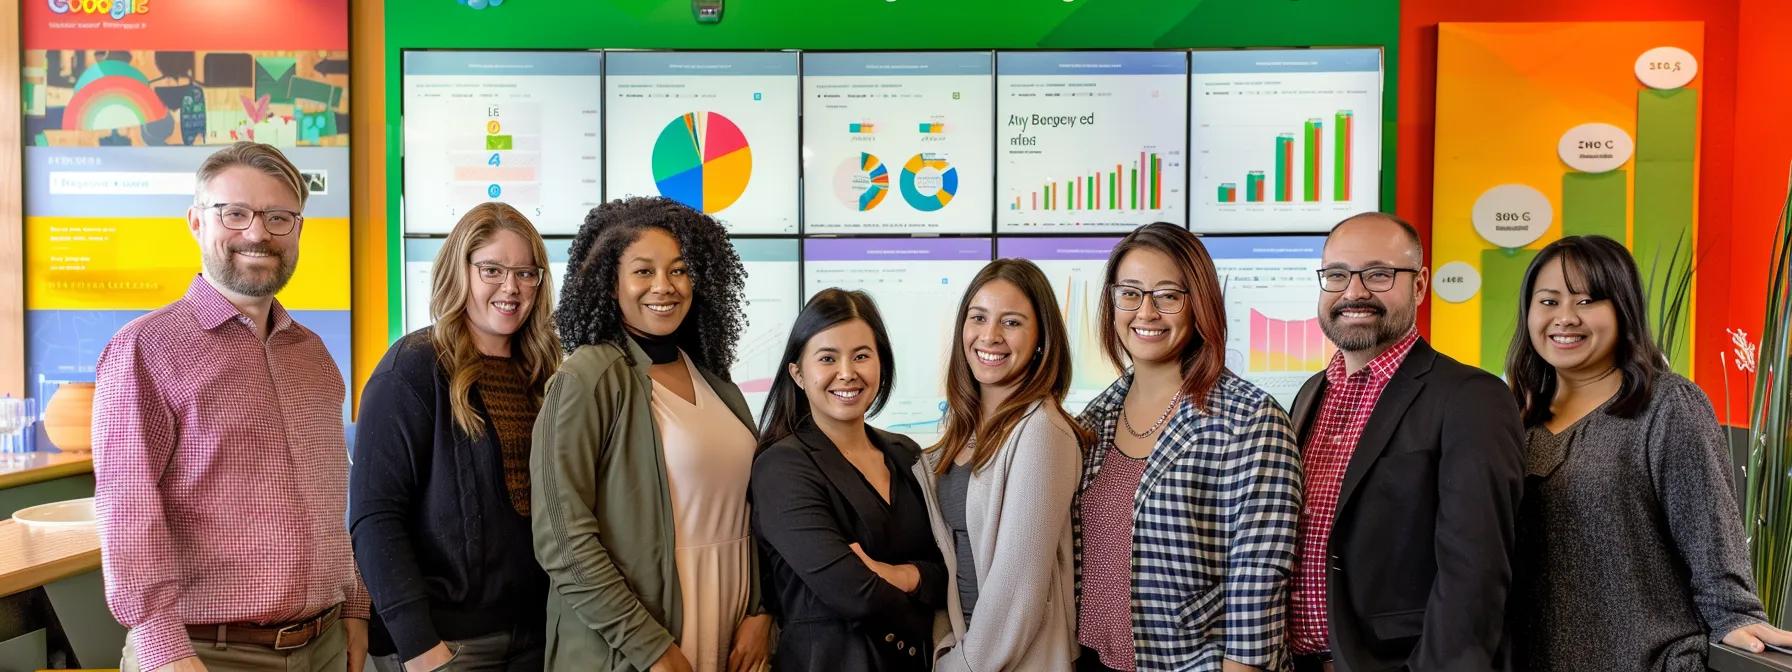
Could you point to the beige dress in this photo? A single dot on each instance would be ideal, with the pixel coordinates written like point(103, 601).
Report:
point(709, 457)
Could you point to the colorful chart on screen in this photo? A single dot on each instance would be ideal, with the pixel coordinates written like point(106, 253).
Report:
point(1273, 337)
point(921, 120)
point(773, 298)
point(1075, 267)
point(716, 131)
point(917, 284)
point(861, 182)
point(1091, 141)
point(1283, 141)
point(702, 158)
point(531, 137)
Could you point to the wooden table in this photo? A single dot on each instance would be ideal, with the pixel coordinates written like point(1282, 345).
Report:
point(64, 564)
point(40, 478)
point(32, 557)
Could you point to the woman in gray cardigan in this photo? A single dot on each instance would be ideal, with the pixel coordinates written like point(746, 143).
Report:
point(1631, 554)
point(1000, 483)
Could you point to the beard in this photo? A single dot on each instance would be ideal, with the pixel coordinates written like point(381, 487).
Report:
point(257, 283)
point(1388, 326)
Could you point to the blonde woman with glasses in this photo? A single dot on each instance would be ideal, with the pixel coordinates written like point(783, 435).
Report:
point(439, 506)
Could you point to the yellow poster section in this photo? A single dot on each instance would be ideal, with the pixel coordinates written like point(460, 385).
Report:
point(1506, 94)
point(113, 263)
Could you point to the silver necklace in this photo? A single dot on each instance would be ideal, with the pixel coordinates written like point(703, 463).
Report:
point(1154, 426)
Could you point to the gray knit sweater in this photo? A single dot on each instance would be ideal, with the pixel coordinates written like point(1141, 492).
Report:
point(1630, 552)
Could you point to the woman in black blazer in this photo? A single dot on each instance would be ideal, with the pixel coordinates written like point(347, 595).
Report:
point(842, 527)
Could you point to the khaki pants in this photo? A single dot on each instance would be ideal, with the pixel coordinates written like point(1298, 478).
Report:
point(328, 653)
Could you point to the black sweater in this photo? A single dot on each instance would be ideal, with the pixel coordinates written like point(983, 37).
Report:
point(441, 550)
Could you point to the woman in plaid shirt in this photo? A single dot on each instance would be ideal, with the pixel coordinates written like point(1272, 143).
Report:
point(1185, 519)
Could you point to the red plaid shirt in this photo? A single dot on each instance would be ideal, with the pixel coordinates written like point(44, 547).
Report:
point(221, 473)
point(1349, 399)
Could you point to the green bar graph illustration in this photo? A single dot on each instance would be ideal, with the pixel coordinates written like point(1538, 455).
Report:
point(1502, 271)
point(1133, 193)
point(1310, 146)
point(1341, 156)
point(1595, 204)
point(1666, 146)
point(1284, 159)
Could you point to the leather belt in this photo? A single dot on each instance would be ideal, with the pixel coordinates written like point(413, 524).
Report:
point(279, 637)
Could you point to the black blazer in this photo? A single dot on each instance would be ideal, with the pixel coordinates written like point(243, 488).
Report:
point(1420, 550)
point(442, 552)
point(834, 613)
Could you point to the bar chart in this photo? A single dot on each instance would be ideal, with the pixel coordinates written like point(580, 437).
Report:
point(1126, 187)
point(1284, 125)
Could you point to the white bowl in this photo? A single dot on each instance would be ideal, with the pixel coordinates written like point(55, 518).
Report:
point(72, 513)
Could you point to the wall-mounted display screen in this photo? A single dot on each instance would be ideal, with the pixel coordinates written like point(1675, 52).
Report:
point(521, 127)
point(716, 131)
point(897, 142)
point(1090, 141)
point(1283, 140)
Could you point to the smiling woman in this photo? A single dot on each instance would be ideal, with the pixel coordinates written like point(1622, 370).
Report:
point(643, 437)
point(1627, 483)
point(475, 379)
point(841, 521)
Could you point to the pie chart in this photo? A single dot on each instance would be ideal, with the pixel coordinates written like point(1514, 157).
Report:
point(702, 160)
point(861, 181)
point(928, 182)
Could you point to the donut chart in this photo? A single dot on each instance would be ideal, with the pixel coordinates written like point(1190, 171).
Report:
point(701, 159)
point(862, 181)
point(928, 182)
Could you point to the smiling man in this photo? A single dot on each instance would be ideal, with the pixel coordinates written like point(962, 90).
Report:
point(219, 455)
point(1413, 477)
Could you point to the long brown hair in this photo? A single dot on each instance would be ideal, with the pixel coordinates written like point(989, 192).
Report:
point(1204, 356)
point(535, 346)
point(1046, 377)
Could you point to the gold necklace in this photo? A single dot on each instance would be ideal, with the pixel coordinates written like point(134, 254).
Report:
point(1174, 399)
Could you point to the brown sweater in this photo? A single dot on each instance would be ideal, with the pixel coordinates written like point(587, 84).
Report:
point(506, 396)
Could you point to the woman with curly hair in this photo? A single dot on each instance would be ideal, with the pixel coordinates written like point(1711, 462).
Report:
point(439, 487)
point(643, 452)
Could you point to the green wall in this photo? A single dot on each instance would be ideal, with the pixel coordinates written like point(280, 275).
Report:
point(874, 25)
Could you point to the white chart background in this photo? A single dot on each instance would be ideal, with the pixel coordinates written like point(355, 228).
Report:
point(1133, 113)
point(771, 295)
point(896, 105)
point(445, 129)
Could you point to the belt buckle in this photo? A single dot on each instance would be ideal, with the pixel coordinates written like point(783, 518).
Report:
point(296, 628)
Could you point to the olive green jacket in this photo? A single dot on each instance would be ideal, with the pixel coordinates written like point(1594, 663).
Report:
point(603, 513)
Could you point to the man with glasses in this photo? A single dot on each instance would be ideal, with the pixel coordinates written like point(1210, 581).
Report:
point(1413, 477)
point(219, 452)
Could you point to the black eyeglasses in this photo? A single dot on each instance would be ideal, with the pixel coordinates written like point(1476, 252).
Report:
point(1375, 278)
point(494, 274)
point(1166, 301)
point(278, 221)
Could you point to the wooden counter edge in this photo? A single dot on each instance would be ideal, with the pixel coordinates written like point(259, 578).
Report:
point(47, 472)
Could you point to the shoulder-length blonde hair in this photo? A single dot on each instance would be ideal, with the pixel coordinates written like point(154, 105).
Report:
point(1046, 378)
point(534, 346)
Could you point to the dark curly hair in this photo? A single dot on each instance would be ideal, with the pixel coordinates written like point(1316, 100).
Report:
point(588, 313)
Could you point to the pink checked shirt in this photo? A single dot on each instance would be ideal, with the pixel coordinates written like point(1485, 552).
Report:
point(222, 474)
point(1342, 415)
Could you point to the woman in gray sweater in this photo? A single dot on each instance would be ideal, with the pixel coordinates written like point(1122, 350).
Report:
point(1631, 550)
point(1000, 483)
